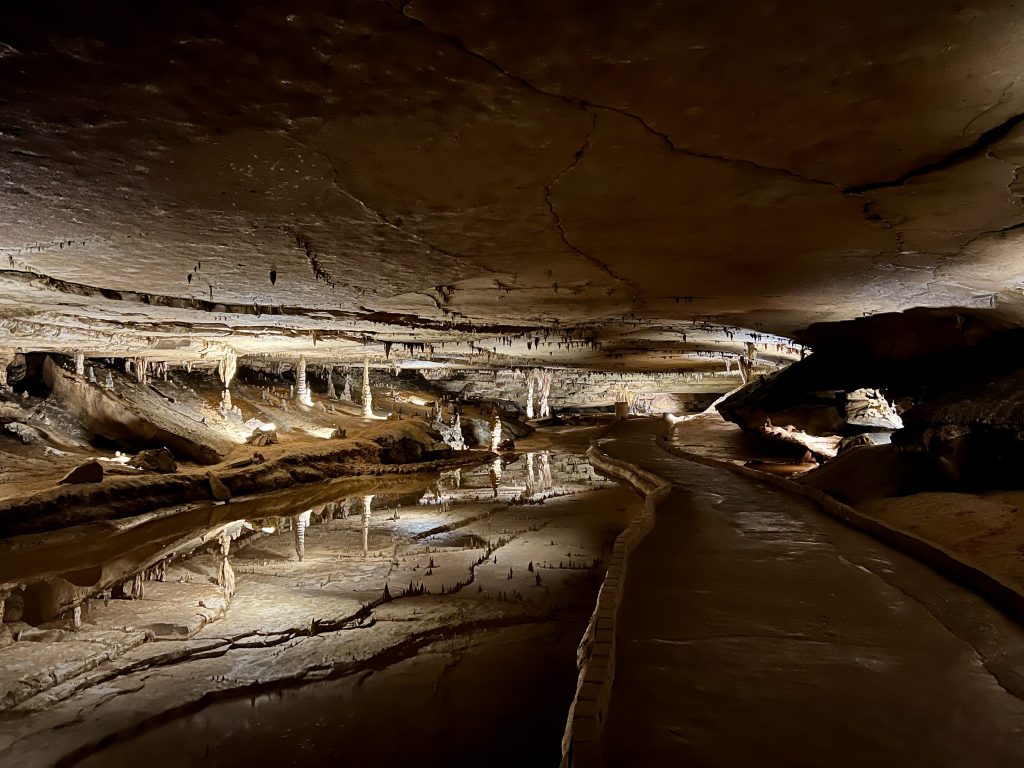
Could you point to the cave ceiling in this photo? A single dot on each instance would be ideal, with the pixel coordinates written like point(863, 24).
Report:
point(633, 184)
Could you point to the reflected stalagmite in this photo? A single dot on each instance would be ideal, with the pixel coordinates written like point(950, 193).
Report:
point(531, 484)
point(367, 502)
point(495, 475)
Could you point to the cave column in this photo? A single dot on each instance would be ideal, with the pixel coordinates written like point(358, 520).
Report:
point(367, 394)
point(301, 385)
point(80, 362)
point(530, 384)
point(5, 360)
point(545, 392)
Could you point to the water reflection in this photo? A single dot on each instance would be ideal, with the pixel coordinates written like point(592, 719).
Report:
point(99, 561)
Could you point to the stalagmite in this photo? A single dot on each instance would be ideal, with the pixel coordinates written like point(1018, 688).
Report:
point(226, 574)
point(495, 475)
point(745, 370)
point(226, 369)
point(302, 395)
point(92, 375)
point(346, 390)
point(495, 431)
point(367, 394)
point(301, 523)
point(109, 383)
point(530, 383)
point(367, 500)
point(331, 394)
point(80, 362)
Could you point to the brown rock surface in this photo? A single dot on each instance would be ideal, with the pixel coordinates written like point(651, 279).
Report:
point(623, 175)
point(90, 472)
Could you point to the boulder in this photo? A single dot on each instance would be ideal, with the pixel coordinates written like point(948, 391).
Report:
point(870, 472)
point(974, 433)
point(136, 417)
point(155, 460)
point(218, 490)
point(784, 399)
point(24, 432)
point(866, 438)
point(90, 472)
point(476, 433)
point(261, 437)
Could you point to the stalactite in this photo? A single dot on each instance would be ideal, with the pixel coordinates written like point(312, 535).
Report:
point(367, 393)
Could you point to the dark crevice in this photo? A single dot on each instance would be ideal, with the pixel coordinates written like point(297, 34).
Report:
point(576, 101)
point(319, 272)
point(203, 305)
point(558, 219)
point(992, 233)
point(976, 148)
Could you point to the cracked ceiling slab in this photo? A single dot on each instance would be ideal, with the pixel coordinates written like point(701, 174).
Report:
point(613, 179)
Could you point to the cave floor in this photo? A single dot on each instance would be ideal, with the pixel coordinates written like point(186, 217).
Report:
point(755, 630)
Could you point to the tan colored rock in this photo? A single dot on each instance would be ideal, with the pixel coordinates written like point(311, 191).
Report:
point(90, 472)
point(218, 490)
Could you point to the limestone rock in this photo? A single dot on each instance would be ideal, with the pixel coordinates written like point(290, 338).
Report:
point(974, 433)
point(14, 608)
point(155, 460)
point(218, 490)
point(24, 432)
point(135, 416)
point(90, 472)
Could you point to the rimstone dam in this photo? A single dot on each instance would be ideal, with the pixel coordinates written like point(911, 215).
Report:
point(512, 383)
